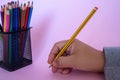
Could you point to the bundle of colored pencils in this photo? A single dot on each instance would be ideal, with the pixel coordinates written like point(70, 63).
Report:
point(16, 17)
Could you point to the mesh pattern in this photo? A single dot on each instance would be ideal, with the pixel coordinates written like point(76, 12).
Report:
point(15, 50)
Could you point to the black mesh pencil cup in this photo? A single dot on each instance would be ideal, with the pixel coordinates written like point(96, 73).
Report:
point(15, 49)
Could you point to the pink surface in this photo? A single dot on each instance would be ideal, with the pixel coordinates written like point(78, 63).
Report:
point(55, 20)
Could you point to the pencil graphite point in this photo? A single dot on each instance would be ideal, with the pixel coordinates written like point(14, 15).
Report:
point(1, 7)
point(28, 2)
point(24, 4)
point(50, 66)
point(32, 3)
point(9, 3)
point(12, 2)
point(18, 1)
point(21, 4)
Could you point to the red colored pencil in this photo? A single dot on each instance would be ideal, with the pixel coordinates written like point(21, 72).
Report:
point(27, 14)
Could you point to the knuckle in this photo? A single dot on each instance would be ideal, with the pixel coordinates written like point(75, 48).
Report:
point(59, 62)
point(56, 44)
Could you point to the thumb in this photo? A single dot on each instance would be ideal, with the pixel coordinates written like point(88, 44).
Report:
point(64, 62)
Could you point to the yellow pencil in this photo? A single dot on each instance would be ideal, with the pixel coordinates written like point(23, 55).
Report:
point(75, 34)
point(5, 9)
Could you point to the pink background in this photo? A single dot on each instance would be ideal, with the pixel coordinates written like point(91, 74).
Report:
point(55, 20)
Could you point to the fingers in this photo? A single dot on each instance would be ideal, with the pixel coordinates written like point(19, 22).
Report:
point(64, 62)
point(55, 50)
point(64, 71)
point(54, 69)
point(63, 65)
point(52, 54)
point(67, 71)
point(61, 70)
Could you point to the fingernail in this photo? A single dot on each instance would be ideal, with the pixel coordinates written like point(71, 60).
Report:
point(49, 62)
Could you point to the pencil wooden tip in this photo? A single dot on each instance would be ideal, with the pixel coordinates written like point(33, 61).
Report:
point(21, 4)
point(24, 4)
point(96, 8)
point(15, 2)
point(28, 2)
point(9, 3)
point(18, 1)
point(32, 2)
point(4, 6)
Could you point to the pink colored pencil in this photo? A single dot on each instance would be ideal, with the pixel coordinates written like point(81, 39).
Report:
point(7, 21)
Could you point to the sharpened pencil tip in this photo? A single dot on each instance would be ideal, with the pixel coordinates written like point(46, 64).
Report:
point(28, 2)
point(32, 2)
point(50, 66)
point(1, 30)
point(24, 4)
point(12, 2)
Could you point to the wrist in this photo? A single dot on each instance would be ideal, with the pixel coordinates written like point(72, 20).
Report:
point(101, 61)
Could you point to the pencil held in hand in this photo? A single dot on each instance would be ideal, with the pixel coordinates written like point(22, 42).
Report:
point(75, 34)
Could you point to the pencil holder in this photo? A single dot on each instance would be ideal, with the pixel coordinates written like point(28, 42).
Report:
point(15, 49)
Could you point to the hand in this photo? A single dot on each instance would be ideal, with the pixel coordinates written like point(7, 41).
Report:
point(81, 57)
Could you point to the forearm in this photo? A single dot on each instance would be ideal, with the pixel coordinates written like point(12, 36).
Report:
point(112, 66)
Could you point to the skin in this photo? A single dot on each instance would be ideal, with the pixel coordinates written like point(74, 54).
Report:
point(78, 56)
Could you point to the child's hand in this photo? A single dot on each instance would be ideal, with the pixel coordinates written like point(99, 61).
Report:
point(80, 56)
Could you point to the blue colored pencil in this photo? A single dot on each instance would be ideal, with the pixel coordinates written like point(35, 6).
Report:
point(16, 36)
point(30, 15)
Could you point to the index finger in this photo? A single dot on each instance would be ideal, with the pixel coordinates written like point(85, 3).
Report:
point(55, 50)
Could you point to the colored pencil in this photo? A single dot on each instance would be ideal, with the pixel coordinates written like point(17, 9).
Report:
point(11, 17)
point(5, 19)
point(19, 16)
point(2, 16)
point(27, 15)
point(30, 15)
point(15, 18)
point(11, 29)
point(23, 16)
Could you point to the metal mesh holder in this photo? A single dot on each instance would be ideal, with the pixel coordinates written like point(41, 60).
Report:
point(15, 49)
